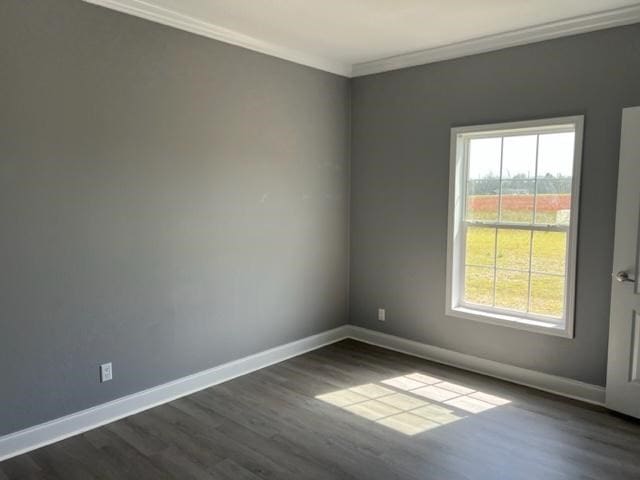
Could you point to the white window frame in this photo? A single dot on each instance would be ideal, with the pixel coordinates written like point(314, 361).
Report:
point(455, 246)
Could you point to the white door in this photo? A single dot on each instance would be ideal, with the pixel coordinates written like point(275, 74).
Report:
point(623, 370)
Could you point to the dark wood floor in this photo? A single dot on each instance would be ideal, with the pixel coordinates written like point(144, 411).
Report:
point(351, 411)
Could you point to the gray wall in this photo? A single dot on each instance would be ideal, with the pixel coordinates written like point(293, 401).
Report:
point(400, 168)
point(167, 202)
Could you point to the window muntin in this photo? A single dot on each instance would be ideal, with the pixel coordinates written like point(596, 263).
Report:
point(512, 247)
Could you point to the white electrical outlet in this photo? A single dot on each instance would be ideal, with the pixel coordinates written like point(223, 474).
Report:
point(106, 372)
point(382, 314)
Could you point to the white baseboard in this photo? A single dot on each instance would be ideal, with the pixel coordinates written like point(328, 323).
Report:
point(75, 423)
point(46, 433)
point(563, 386)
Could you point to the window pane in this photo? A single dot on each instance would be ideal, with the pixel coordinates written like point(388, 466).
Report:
point(482, 199)
point(484, 158)
point(553, 202)
point(555, 155)
point(516, 202)
point(480, 246)
point(478, 285)
point(513, 249)
point(555, 170)
point(548, 253)
point(512, 290)
point(483, 183)
point(519, 157)
point(547, 295)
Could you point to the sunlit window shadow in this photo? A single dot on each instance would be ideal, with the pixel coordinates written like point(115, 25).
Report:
point(413, 403)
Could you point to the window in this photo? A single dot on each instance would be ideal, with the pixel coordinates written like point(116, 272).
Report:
point(513, 211)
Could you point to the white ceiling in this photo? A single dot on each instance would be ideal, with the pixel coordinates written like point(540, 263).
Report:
point(335, 35)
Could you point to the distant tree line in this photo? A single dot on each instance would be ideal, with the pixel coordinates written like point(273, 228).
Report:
point(520, 184)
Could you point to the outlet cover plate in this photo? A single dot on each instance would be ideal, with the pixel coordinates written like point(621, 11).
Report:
point(106, 372)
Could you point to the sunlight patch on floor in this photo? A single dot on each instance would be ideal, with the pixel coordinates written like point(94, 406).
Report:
point(413, 403)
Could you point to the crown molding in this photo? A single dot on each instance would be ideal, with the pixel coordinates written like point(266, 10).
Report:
point(547, 31)
point(571, 26)
point(178, 20)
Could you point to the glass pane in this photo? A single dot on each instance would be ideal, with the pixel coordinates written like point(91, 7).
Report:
point(484, 158)
point(482, 199)
point(478, 285)
point(483, 183)
point(512, 290)
point(553, 202)
point(555, 170)
point(547, 295)
point(519, 157)
point(516, 202)
point(513, 249)
point(548, 253)
point(480, 246)
point(555, 155)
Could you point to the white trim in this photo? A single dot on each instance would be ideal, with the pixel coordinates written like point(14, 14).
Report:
point(562, 386)
point(55, 430)
point(455, 307)
point(187, 23)
point(571, 26)
point(503, 320)
point(75, 423)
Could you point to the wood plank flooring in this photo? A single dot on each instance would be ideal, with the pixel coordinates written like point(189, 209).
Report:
point(351, 411)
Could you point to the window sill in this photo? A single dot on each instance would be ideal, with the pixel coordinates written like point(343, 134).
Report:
point(530, 325)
